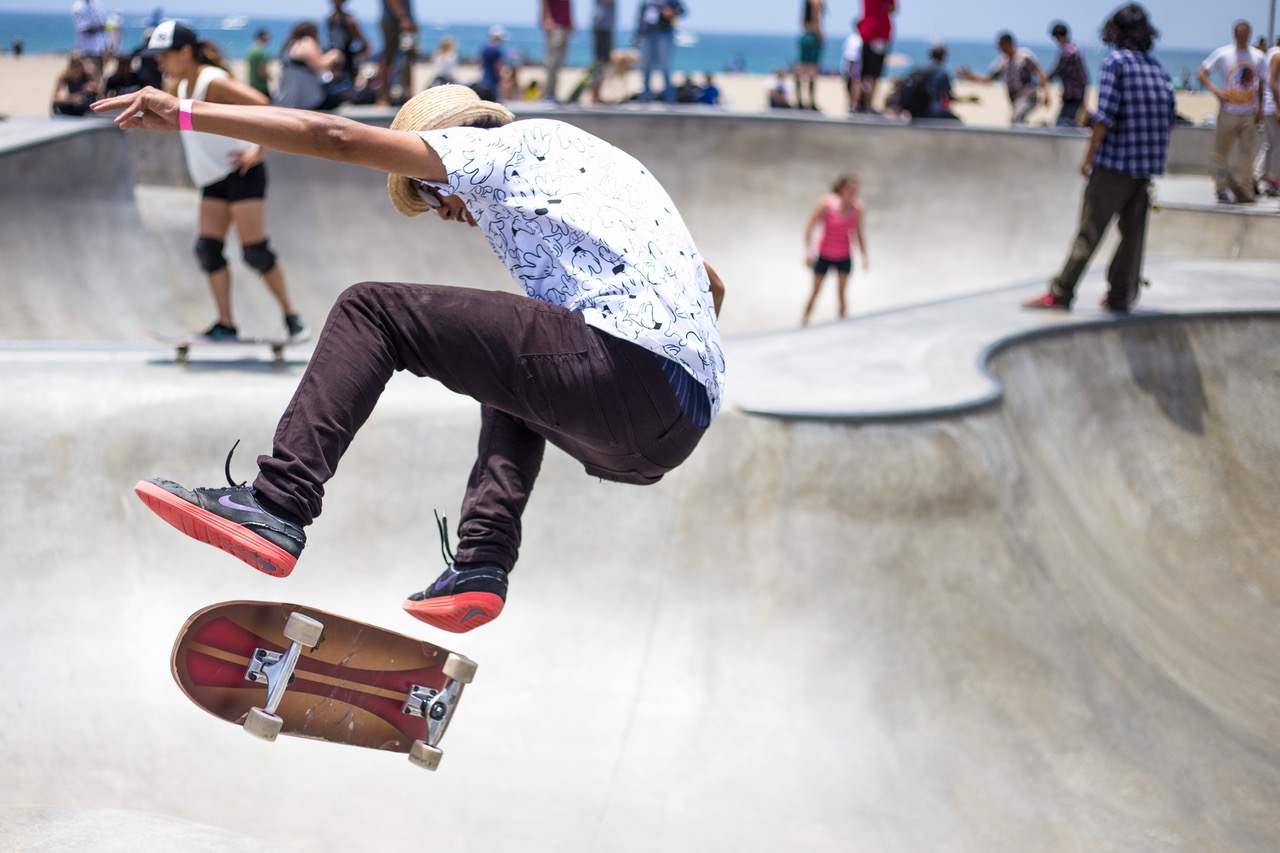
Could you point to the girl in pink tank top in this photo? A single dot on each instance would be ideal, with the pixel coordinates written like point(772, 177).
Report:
point(840, 215)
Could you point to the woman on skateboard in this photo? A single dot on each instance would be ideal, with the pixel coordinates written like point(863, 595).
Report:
point(230, 174)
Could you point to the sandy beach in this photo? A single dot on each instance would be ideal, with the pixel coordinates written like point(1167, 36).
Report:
point(28, 84)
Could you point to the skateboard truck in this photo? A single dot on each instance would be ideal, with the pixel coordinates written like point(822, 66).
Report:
point(277, 670)
point(436, 707)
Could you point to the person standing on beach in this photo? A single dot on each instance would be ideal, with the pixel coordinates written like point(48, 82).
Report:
point(810, 64)
point(399, 31)
point(656, 33)
point(851, 66)
point(1023, 77)
point(840, 216)
point(557, 26)
point(493, 63)
point(256, 62)
point(1269, 173)
point(876, 29)
point(1239, 70)
point(231, 176)
point(1128, 145)
point(1071, 71)
point(602, 22)
point(90, 22)
point(611, 352)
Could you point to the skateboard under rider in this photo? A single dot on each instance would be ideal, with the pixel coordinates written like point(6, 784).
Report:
point(277, 668)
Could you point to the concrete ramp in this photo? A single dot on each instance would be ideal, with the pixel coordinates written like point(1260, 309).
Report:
point(1049, 625)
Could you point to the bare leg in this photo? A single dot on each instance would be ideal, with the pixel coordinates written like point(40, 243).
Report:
point(250, 218)
point(813, 298)
point(842, 280)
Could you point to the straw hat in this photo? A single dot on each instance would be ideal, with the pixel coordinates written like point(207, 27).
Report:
point(434, 109)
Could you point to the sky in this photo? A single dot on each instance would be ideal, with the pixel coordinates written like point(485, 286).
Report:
point(1182, 23)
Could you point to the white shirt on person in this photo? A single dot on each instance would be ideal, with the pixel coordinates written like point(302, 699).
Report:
point(1239, 74)
point(85, 15)
point(582, 224)
point(210, 157)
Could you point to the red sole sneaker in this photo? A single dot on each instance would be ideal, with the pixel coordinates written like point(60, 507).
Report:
point(214, 530)
point(456, 613)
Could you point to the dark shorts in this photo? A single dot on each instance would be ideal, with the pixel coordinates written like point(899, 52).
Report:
point(872, 62)
point(236, 187)
point(810, 49)
point(843, 267)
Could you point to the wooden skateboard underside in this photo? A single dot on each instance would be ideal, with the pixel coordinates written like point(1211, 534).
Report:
point(360, 685)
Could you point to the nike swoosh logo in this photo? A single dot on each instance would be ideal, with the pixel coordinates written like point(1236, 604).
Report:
point(444, 582)
point(471, 614)
point(226, 501)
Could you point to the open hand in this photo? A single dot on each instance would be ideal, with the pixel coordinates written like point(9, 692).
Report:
point(148, 109)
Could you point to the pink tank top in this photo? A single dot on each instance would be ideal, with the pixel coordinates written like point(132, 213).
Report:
point(836, 228)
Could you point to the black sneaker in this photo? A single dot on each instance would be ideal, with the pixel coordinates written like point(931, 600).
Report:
point(298, 330)
point(219, 331)
point(230, 519)
point(464, 597)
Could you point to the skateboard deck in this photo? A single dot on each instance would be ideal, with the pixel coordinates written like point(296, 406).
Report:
point(182, 344)
point(278, 668)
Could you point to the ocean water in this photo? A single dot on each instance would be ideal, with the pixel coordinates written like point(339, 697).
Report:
point(699, 51)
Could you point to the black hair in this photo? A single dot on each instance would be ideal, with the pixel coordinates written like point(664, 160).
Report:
point(1129, 28)
point(1059, 30)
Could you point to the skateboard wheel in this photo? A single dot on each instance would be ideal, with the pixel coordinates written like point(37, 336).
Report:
point(303, 630)
point(262, 724)
point(425, 756)
point(459, 668)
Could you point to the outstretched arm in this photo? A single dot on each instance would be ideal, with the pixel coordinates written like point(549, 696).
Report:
point(312, 134)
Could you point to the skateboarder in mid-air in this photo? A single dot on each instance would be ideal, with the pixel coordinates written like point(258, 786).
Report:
point(613, 356)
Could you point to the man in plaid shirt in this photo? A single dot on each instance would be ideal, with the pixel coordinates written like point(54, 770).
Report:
point(1129, 144)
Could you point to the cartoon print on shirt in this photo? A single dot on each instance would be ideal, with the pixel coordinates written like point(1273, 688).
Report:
point(566, 213)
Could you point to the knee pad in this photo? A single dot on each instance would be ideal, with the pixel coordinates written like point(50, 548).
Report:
point(260, 257)
point(209, 253)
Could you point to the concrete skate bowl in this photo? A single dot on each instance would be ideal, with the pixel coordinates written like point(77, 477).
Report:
point(98, 227)
point(1049, 624)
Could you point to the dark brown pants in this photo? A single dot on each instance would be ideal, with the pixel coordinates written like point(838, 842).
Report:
point(539, 371)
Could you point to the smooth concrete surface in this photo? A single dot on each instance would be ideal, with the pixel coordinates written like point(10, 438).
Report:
point(942, 577)
point(36, 829)
point(949, 210)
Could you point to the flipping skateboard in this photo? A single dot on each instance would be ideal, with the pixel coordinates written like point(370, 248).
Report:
point(285, 669)
point(182, 344)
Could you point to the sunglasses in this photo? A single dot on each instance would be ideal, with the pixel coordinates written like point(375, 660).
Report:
point(428, 195)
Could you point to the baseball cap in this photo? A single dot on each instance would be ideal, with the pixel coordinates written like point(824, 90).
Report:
point(170, 35)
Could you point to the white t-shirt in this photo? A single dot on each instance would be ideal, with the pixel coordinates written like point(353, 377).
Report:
point(1239, 73)
point(584, 225)
point(210, 157)
point(851, 52)
point(1268, 99)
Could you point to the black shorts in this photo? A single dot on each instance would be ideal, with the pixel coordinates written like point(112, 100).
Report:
point(237, 187)
point(821, 265)
point(872, 62)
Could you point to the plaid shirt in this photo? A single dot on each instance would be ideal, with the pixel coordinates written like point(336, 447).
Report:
point(1136, 104)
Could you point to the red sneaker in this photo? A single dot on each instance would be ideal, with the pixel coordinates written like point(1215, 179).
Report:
point(1047, 302)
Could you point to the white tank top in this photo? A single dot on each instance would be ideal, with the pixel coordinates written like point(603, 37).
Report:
point(210, 157)
point(1268, 100)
